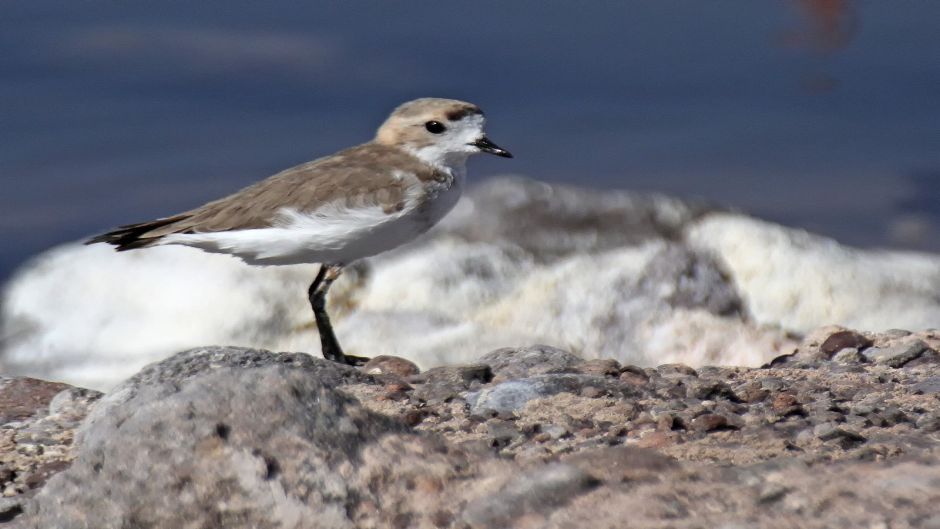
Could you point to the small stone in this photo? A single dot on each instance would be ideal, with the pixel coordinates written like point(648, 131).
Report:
point(45, 471)
point(512, 395)
point(501, 432)
point(751, 393)
point(843, 340)
point(849, 355)
point(673, 370)
point(772, 383)
point(6, 474)
point(929, 422)
point(413, 417)
point(665, 423)
point(633, 375)
point(830, 431)
point(896, 356)
point(710, 390)
point(591, 392)
point(555, 431)
point(786, 404)
point(603, 367)
point(771, 493)
point(441, 384)
point(928, 386)
point(395, 391)
point(390, 365)
point(29, 449)
point(10, 508)
point(710, 422)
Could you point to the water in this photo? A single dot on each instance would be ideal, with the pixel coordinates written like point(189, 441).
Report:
point(817, 113)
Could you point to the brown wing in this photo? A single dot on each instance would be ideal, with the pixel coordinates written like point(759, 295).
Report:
point(358, 176)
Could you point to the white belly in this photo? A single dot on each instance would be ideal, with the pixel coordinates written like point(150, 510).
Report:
point(331, 234)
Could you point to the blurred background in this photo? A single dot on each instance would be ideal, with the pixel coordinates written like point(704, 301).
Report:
point(820, 114)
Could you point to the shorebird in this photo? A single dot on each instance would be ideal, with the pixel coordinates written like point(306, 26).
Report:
point(335, 210)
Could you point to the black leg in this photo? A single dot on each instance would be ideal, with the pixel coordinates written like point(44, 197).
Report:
point(317, 296)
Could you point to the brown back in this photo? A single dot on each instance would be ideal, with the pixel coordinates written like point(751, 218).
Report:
point(358, 176)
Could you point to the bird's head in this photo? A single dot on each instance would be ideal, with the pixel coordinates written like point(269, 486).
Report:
point(440, 132)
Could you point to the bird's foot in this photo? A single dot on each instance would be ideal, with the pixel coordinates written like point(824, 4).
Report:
point(337, 355)
point(357, 361)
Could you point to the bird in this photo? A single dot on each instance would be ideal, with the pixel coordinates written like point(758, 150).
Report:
point(337, 209)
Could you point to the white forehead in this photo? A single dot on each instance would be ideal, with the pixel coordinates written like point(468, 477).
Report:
point(471, 123)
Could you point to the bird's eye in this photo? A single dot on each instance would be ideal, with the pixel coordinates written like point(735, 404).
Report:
point(435, 127)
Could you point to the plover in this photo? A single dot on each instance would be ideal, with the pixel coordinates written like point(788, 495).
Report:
point(334, 210)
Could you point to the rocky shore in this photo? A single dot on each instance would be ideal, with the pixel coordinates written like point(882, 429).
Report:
point(842, 433)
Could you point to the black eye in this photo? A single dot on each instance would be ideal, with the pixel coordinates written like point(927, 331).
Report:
point(435, 127)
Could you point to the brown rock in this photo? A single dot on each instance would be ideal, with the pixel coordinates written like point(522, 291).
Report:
point(844, 340)
point(390, 365)
point(22, 397)
point(45, 471)
point(633, 375)
point(600, 367)
point(710, 422)
point(785, 404)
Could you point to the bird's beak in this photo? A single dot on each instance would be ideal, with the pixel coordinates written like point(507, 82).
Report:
point(485, 145)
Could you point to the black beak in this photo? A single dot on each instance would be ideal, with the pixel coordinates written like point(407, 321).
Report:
point(485, 145)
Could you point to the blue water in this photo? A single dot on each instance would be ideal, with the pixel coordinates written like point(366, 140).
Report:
point(821, 114)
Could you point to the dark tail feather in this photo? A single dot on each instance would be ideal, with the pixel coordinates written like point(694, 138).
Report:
point(133, 235)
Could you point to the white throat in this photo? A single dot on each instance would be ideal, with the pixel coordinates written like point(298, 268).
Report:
point(449, 151)
point(454, 163)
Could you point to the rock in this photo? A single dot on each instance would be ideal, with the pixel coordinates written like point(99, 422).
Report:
point(512, 395)
point(441, 384)
point(512, 363)
point(786, 404)
point(711, 390)
point(237, 437)
point(831, 431)
point(390, 365)
point(600, 367)
point(74, 403)
point(686, 278)
point(676, 370)
point(21, 397)
point(849, 355)
point(534, 493)
point(896, 356)
point(10, 508)
point(623, 463)
point(709, 422)
point(929, 422)
point(634, 376)
point(247, 437)
point(844, 340)
point(929, 386)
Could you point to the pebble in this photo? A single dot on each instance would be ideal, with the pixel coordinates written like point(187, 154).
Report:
point(849, 355)
point(896, 356)
point(842, 340)
point(390, 365)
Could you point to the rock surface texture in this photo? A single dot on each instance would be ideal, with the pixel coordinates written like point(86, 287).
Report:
point(842, 433)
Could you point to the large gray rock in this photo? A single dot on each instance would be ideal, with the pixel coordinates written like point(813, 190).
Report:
point(519, 362)
point(220, 438)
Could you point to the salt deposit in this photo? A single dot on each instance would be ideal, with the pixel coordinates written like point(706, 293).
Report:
point(645, 279)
